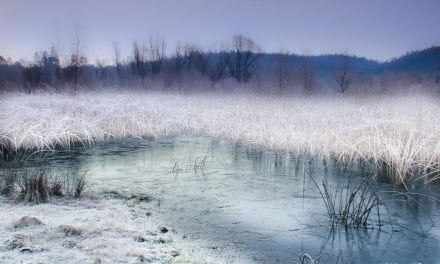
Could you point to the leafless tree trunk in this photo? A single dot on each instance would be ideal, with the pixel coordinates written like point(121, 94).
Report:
point(101, 72)
point(75, 57)
point(308, 73)
point(343, 77)
point(54, 57)
point(194, 59)
point(178, 60)
point(217, 66)
point(283, 71)
point(118, 65)
point(243, 58)
point(156, 52)
point(138, 62)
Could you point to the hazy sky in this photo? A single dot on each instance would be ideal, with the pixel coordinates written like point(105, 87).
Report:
point(378, 29)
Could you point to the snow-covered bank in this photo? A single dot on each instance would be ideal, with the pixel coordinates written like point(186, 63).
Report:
point(81, 231)
point(401, 131)
point(104, 229)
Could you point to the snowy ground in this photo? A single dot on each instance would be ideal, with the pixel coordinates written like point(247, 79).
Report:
point(108, 234)
point(99, 230)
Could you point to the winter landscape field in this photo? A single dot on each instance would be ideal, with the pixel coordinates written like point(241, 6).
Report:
point(240, 132)
point(391, 142)
point(400, 132)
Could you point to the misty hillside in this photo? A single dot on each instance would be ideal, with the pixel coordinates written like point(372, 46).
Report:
point(324, 63)
point(285, 71)
point(425, 61)
point(422, 62)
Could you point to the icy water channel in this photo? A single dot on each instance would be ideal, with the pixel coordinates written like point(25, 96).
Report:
point(237, 202)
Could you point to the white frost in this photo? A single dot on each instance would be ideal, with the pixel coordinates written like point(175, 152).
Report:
point(403, 131)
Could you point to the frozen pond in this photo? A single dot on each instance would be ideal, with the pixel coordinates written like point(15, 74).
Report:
point(239, 203)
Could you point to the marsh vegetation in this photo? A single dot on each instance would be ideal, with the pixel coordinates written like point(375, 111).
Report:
point(398, 134)
point(220, 148)
point(234, 203)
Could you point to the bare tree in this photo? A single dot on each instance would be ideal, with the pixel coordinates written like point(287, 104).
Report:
point(308, 73)
point(138, 64)
point(156, 51)
point(195, 60)
point(117, 53)
point(101, 71)
point(50, 69)
point(118, 64)
point(283, 71)
point(54, 57)
point(242, 60)
point(178, 60)
point(32, 74)
point(343, 74)
point(77, 59)
point(217, 65)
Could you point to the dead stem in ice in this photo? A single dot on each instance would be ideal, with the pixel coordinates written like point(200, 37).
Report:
point(352, 204)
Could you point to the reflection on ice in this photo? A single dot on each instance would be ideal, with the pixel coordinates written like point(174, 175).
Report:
point(238, 204)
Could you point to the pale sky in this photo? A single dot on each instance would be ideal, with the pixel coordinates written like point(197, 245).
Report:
point(377, 29)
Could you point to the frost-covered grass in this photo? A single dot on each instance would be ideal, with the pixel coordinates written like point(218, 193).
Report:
point(98, 229)
point(109, 234)
point(398, 132)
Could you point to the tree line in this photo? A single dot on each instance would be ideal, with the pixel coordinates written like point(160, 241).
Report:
point(147, 66)
point(147, 61)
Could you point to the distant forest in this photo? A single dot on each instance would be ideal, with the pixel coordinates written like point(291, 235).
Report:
point(242, 62)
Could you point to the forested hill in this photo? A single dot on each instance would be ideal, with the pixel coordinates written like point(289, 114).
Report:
point(309, 71)
point(425, 61)
point(422, 62)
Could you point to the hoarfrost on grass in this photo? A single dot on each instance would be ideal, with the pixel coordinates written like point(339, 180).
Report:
point(107, 234)
point(402, 131)
point(96, 230)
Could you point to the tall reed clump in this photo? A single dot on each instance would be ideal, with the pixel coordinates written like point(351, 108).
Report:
point(402, 154)
point(37, 185)
point(399, 133)
point(352, 204)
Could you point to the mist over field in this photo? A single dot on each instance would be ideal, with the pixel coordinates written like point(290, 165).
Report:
point(194, 68)
point(378, 128)
point(219, 132)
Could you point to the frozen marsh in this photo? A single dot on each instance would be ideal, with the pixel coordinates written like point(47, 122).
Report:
point(399, 132)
